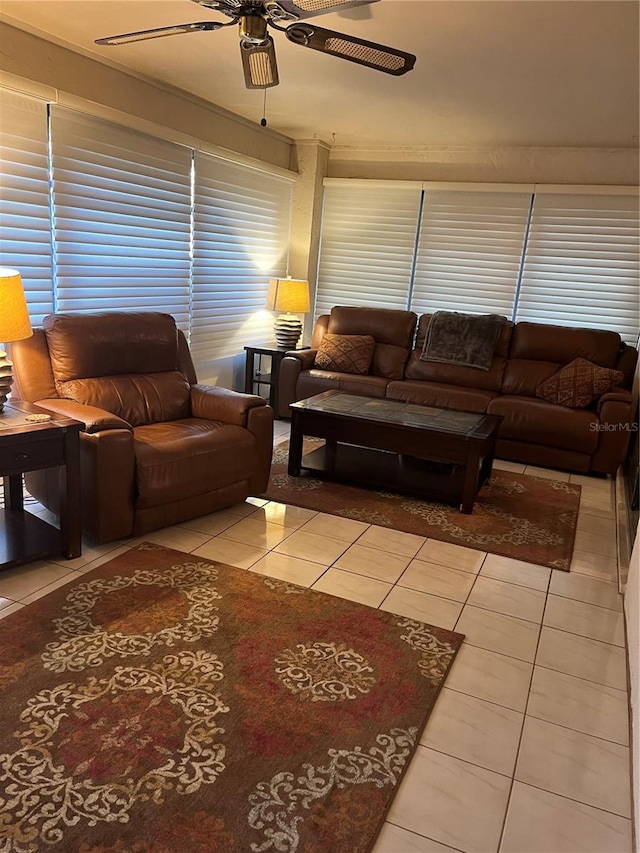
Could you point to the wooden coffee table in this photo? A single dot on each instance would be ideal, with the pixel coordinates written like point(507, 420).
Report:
point(435, 453)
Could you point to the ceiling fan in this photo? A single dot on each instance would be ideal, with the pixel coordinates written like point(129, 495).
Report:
point(256, 45)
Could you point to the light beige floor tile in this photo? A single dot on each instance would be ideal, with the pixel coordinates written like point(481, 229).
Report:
point(337, 528)
point(583, 588)
point(21, 581)
point(5, 602)
point(425, 608)
point(595, 566)
point(508, 598)
point(596, 502)
point(12, 608)
point(595, 509)
point(284, 514)
point(372, 562)
point(394, 839)
point(506, 465)
point(215, 522)
point(174, 537)
point(547, 473)
point(487, 675)
point(232, 553)
point(456, 556)
point(256, 532)
point(498, 633)
point(456, 803)
point(597, 623)
point(394, 541)
point(579, 704)
point(582, 657)
point(588, 481)
point(584, 768)
point(541, 822)
point(252, 502)
point(45, 590)
point(602, 525)
point(438, 580)
point(292, 569)
point(516, 571)
point(476, 731)
point(353, 587)
point(105, 558)
point(89, 554)
point(596, 543)
point(312, 546)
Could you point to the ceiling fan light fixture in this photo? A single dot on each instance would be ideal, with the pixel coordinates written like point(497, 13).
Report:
point(259, 65)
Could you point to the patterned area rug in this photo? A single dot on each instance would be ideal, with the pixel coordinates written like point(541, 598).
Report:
point(515, 515)
point(167, 704)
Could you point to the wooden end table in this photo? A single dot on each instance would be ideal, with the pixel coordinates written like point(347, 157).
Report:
point(253, 376)
point(26, 446)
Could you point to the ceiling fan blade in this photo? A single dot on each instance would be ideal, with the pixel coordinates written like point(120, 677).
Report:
point(160, 32)
point(308, 8)
point(377, 56)
point(259, 64)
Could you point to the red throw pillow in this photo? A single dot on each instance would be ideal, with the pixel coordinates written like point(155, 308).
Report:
point(578, 384)
point(345, 353)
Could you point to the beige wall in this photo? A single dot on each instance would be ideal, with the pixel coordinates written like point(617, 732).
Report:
point(614, 166)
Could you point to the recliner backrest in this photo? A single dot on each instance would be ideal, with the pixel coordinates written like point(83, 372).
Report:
point(124, 362)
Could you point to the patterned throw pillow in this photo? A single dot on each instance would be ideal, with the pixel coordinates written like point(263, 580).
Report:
point(578, 384)
point(345, 353)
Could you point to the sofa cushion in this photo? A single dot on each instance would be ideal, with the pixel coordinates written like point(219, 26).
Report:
point(561, 344)
point(345, 353)
point(441, 395)
point(432, 371)
point(312, 382)
point(180, 459)
point(578, 384)
point(528, 419)
point(392, 330)
point(138, 399)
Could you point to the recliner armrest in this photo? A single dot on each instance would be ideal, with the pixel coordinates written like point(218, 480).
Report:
point(220, 404)
point(94, 419)
point(617, 395)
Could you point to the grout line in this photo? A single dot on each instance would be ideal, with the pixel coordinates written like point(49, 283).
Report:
point(573, 800)
point(420, 835)
point(577, 731)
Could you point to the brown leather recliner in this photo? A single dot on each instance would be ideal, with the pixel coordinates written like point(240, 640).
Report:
point(157, 448)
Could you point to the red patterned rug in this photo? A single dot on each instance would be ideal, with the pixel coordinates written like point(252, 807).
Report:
point(168, 704)
point(515, 515)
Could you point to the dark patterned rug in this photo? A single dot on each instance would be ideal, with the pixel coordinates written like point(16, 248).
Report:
point(515, 515)
point(168, 704)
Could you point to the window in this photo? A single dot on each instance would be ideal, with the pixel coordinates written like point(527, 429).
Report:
point(25, 226)
point(581, 263)
point(122, 217)
point(241, 234)
point(368, 245)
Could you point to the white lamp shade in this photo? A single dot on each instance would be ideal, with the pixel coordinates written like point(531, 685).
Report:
point(14, 315)
point(288, 295)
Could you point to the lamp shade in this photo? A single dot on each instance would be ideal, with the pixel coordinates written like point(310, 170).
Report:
point(288, 295)
point(14, 316)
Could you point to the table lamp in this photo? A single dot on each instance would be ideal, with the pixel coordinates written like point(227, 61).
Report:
point(290, 296)
point(14, 323)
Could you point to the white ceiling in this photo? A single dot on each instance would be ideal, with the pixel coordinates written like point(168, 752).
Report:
point(488, 73)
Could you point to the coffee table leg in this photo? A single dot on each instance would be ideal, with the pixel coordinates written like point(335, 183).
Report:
point(470, 485)
point(295, 447)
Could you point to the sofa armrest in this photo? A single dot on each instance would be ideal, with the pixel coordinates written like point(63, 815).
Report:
point(618, 395)
point(94, 419)
point(615, 411)
point(219, 404)
point(291, 367)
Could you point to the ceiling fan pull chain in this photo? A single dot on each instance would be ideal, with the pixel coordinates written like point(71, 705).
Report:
point(263, 120)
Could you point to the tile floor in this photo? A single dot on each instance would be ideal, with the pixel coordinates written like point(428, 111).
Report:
point(527, 750)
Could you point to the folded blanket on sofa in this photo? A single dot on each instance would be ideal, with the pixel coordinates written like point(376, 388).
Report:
point(464, 339)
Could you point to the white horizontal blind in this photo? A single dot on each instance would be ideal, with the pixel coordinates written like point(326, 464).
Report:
point(241, 233)
point(122, 217)
point(469, 251)
point(367, 248)
point(581, 263)
point(25, 227)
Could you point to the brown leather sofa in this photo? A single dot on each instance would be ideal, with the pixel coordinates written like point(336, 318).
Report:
point(532, 431)
point(157, 447)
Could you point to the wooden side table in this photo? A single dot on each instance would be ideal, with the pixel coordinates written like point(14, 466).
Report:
point(26, 446)
point(254, 378)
